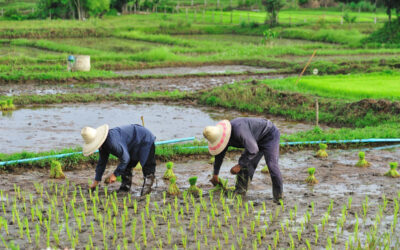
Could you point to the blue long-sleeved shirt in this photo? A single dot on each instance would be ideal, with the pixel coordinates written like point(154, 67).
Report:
point(128, 143)
point(246, 133)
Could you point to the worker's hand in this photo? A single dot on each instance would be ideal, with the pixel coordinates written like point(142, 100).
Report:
point(215, 180)
point(235, 169)
point(94, 185)
point(110, 179)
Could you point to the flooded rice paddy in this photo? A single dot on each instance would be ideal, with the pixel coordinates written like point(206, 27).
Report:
point(50, 127)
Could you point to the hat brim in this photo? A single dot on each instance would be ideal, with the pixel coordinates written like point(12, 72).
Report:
point(101, 136)
point(219, 145)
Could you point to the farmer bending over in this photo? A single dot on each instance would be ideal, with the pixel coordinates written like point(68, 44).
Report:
point(259, 137)
point(131, 144)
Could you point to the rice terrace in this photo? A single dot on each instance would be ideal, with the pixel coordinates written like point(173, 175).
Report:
point(199, 124)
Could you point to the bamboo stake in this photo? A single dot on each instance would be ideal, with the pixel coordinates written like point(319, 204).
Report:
point(308, 63)
point(316, 112)
point(142, 120)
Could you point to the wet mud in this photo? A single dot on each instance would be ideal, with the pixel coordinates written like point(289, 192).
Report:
point(211, 69)
point(50, 127)
point(127, 86)
point(257, 221)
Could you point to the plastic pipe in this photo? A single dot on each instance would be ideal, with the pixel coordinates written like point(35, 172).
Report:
point(3, 163)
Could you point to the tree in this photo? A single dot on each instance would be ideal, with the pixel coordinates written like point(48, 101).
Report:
point(120, 5)
point(390, 5)
point(73, 9)
point(97, 8)
point(272, 7)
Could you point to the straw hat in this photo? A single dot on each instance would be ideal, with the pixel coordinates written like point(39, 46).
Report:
point(218, 136)
point(93, 138)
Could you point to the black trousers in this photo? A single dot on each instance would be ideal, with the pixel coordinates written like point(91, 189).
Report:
point(148, 168)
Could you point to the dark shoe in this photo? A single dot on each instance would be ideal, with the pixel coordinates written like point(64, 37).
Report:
point(124, 189)
point(242, 181)
point(147, 184)
point(278, 195)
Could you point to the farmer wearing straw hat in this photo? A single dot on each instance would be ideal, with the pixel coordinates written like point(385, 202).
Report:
point(131, 144)
point(259, 137)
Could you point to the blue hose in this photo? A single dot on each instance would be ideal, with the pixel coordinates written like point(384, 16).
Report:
point(372, 140)
point(3, 163)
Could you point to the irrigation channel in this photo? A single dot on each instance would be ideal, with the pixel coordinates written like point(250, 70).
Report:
point(304, 206)
point(43, 128)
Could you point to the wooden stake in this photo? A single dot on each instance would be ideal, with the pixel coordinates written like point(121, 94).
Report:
point(316, 112)
point(308, 63)
point(142, 120)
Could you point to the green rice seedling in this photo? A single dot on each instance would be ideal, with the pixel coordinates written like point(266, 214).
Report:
point(193, 189)
point(245, 232)
point(349, 201)
point(169, 173)
point(276, 239)
point(309, 245)
point(311, 180)
point(321, 153)
point(222, 186)
point(205, 240)
point(56, 170)
point(173, 188)
point(299, 232)
point(212, 160)
point(252, 226)
point(255, 245)
point(393, 170)
point(316, 234)
point(362, 162)
point(265, 170)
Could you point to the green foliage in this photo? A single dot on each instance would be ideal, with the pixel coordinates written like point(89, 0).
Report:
point(273, 7)
point(388, 34)
point(349, 19)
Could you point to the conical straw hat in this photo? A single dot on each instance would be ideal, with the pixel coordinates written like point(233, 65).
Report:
point(218, 136)
point(93, 138)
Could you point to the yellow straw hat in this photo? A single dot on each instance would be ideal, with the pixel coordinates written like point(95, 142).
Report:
point(218, 136)
point(93, 138)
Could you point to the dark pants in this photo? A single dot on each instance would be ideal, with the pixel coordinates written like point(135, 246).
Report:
point(148, 168)
point(269, 148)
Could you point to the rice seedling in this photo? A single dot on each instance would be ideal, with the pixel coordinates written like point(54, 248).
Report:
point(362, 162)
point(311, 180)
point(193, 189)
point(56, 170)
point(173, 188)
point(393, 170)
point(265, 170)
point(169, 173)
point(321, 153)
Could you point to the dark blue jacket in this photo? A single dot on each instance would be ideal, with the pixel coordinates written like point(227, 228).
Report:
point(129, 143)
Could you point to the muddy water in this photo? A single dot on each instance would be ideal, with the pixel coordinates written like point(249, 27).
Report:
point(338, 180)
point(58, 126)
point(127, 86)
point(212, 69)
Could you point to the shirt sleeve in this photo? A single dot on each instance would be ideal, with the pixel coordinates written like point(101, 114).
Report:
point(101, 164)
point(218, 161)
point(124, 159)
point(250, 145)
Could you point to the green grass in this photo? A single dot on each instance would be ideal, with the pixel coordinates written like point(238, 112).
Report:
point(349, 87)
